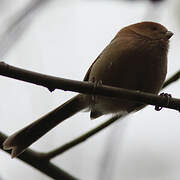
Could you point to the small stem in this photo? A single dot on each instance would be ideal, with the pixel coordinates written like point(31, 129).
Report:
point(172, 79)
point(81, 138)
point(35, 160)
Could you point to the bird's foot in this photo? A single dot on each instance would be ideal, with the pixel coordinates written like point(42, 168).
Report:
point(168, 96)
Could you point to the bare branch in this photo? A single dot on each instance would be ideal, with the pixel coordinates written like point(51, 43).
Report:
point(35, 160)
point(172, 79)
point(52, 83)
point(81, 139)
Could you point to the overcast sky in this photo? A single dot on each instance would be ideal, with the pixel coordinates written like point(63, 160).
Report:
point(63, 38)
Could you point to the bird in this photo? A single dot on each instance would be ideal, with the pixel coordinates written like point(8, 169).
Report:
point(135, 59)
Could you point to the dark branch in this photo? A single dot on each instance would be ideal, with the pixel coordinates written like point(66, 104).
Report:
point(35, 160)
point(81, 139)
point(172, 79)
point(52, 83)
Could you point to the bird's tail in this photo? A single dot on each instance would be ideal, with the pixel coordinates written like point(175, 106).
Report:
point(20, 140)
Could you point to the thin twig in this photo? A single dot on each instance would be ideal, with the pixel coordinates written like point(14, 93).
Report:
point(35, 160)
point(80, 139)
point(52, 83)
point(172, 79)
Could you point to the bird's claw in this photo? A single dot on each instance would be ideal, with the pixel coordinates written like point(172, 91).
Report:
point(168, 96)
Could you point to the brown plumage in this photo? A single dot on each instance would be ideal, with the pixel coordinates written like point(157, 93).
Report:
point(135, 59)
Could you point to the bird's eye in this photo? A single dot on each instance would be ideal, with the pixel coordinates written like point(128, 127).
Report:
point(153, 28)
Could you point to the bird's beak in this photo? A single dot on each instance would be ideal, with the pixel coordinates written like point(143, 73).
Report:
point(169, 34)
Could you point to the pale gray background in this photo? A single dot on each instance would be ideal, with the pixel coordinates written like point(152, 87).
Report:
point(62, 38)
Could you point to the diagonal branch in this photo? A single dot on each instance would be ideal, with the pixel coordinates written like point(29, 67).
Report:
point(53, 83)
point(81, 138)
point(172, 79)
point(35, 160)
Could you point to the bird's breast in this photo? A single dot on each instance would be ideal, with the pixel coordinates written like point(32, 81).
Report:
point(135, 69)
